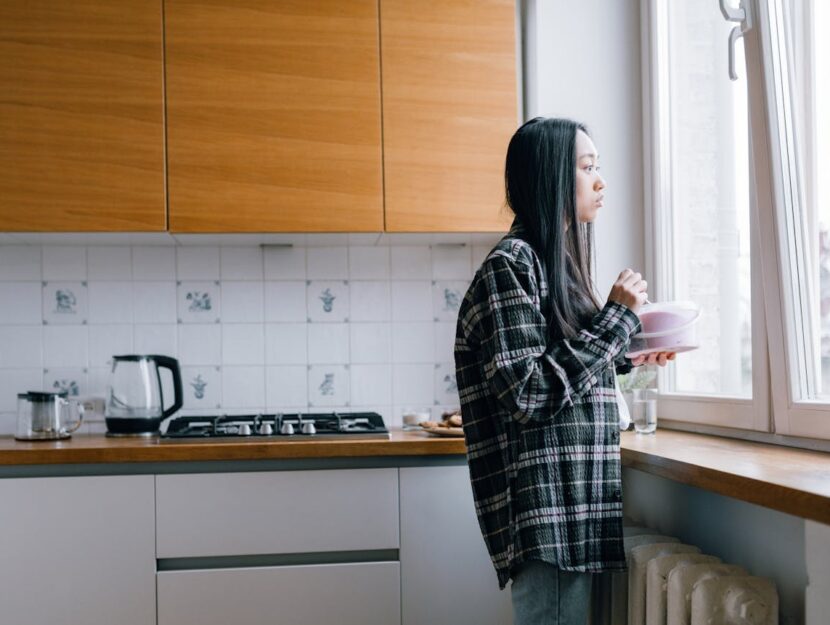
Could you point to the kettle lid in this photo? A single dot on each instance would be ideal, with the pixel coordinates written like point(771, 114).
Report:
point(134, 357)
point(41, 396)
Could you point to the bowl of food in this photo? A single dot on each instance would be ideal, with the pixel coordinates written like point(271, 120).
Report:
point(666, 327)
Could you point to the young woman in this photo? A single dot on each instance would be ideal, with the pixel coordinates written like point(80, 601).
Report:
point(536, 356)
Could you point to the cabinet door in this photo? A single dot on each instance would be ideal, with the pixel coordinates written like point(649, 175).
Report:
point(321, 594)
point(273, 113)
point(449, 109)
point(77, 550)
point(81, 116)
point(446, 573)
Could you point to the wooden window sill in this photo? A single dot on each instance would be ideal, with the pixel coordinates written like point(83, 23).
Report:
point(794, 481)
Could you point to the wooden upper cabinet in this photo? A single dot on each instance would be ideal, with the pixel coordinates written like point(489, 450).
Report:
point(450, 107)
point(273, 113)
point(81, 116)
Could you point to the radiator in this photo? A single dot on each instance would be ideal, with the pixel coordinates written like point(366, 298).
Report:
point(669, 583)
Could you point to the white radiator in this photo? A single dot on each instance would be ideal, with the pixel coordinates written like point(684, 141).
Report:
point(669, 583)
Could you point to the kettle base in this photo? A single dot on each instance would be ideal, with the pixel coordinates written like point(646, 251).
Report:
point(131, 434)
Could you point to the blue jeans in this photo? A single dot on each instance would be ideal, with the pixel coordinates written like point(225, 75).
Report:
point(544, 595)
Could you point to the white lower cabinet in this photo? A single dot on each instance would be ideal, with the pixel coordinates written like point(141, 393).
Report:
point(320, 594)
point(447, 577)
point(77, 550)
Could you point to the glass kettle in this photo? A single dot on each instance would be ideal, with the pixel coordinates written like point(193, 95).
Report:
point(135, 400)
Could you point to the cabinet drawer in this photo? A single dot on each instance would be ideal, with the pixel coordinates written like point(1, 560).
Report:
point(219, 514)
point(323, 594)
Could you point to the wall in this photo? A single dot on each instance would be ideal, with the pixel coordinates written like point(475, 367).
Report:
point(346, 322)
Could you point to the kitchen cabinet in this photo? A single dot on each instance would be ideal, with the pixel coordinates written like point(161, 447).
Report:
point(81, 116)
point(330, 594)
point(449, 109)
point(77, 550)
point(273, 116)
point(446, 573)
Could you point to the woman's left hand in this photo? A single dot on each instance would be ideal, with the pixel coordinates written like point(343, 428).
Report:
point(654, 358)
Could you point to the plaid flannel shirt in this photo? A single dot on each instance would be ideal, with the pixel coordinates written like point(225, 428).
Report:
point(540, 419)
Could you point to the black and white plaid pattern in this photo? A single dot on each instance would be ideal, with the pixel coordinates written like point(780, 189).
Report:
point(540, 419)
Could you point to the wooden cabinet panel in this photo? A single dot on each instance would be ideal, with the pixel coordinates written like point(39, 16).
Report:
point(273, 115)
point(324, 594)
point(281, 512)
point(77, 550)
point(81, 116)
point(449, 110)
point(443, 555)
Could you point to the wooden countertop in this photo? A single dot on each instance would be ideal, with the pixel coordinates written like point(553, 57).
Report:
point(790, 480)
point(88, 449)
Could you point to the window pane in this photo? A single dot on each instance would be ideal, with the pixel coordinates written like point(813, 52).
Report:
point(709, 198)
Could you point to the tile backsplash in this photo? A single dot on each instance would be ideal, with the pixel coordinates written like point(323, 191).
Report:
point(347, 322)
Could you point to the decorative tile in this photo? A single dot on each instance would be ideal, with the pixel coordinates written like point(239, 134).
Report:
point(286, 386)
point(328, 385)
point(243, 344)
point(447, 298)
point(65, 302)
point(411, 301)
point(369, 301)
point(243, 302)
point(286, 344)
point(328, 301)
point(327, 263)
point(197, 263)
point(20, 302)
point(446, 387)
point(20, 262)
point(64, 262)
point(21, 346)
point(110, 302)
point(65, 346)
point(328, 343)
point(109, 263)
point(241, 263)
point(286, 301)
point(198, 302)
point(202, 387)
point(71, 380)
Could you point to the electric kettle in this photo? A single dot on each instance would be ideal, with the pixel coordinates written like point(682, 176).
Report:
point(135, 401)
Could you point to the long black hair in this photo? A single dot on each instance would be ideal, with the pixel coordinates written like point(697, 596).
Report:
point(540, 188)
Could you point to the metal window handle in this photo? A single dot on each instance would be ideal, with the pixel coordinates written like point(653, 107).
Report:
point(735, 14)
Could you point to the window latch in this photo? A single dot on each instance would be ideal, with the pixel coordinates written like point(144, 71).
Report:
point(739, 14)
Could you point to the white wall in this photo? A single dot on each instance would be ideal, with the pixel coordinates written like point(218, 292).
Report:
point(582, 60)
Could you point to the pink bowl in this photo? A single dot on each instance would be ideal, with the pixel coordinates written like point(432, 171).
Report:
point(666, 327)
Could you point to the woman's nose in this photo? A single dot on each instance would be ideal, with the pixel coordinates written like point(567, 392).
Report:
point(600, 183)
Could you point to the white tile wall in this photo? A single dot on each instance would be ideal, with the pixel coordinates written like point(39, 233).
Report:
point(360, 322)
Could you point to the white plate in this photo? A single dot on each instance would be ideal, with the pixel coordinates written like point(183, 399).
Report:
point(652, 350)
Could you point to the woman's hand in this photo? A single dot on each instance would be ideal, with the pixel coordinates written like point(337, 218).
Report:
point(654, 358)
point(629, 290)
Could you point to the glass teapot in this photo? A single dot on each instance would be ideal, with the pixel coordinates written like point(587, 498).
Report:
point(135, 400)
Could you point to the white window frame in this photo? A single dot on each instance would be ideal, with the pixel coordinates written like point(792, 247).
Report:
point(784, 325)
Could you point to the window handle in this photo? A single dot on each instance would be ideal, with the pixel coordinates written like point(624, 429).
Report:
point(735, 14)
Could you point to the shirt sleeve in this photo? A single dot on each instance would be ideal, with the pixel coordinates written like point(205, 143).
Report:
point(532, 377)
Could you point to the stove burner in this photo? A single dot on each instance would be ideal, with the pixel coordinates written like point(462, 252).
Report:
point(292, 426)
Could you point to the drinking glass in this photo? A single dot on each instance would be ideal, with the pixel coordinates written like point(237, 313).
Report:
point(644, 414)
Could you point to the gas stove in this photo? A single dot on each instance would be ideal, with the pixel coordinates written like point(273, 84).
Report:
point(279, 426)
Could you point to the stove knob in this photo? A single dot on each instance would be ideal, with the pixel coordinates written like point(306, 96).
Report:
point(308, 428)
point(286, 428)
point(244, 430)
point(266, 428)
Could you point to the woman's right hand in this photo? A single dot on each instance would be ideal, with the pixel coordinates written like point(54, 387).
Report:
point(629, 290)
